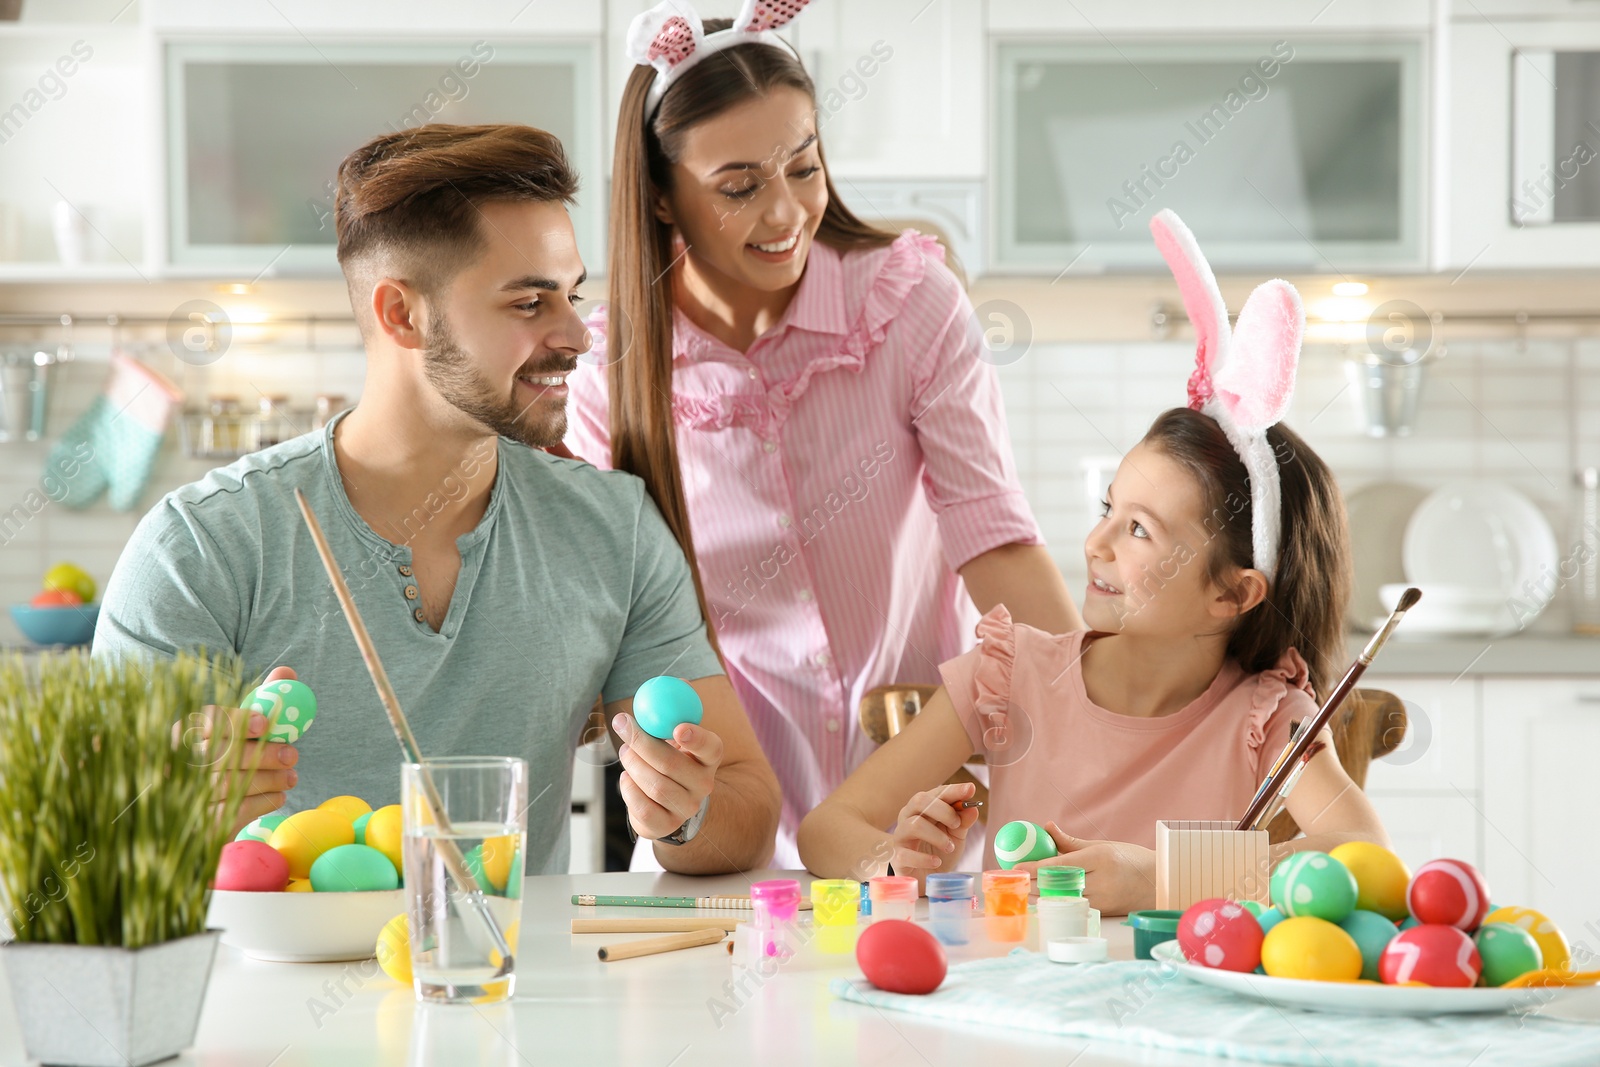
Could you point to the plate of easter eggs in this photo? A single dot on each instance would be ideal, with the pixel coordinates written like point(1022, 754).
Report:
point(1355, 931)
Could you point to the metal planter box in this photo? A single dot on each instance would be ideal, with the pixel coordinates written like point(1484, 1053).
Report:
point(98, 1006)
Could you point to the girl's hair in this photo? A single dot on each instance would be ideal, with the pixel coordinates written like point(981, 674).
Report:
point(639, 312)
point(1305, 604)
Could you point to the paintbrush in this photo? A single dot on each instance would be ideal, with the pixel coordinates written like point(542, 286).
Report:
point(1289, 761)
point(449, 851)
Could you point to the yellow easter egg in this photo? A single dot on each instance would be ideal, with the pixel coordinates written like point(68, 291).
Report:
point(394, 949)
point(351, 808)
point(511, 932)
point(298, 885)
point(385, 831)
point(1552, 942)
point(1381, 878)
point(497, 855)
point(1310, 948)
point(305, 835)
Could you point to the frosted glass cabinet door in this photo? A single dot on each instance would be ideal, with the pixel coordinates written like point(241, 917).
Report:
point(1277, 154)
point(256, 131)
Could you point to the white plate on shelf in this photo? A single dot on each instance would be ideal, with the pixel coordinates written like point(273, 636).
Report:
point(1480, 534)
point(1355, 998)
point(1378, 516)
point(1453, 610)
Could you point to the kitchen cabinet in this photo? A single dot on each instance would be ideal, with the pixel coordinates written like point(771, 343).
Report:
point(1282, 152)
point(588, 809)
point(1524, 182)
point(1427, 791)
point(1422, 828)
point(1541, 740)
point(1151, 17)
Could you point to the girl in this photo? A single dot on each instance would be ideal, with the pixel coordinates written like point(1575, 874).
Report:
point(803, 392)
point(1218, 576)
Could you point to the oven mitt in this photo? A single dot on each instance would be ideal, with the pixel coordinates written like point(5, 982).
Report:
point(113, 447)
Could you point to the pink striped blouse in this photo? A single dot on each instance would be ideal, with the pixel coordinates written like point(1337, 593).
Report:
point(837, 475)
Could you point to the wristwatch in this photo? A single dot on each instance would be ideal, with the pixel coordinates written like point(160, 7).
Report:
point(685, 833)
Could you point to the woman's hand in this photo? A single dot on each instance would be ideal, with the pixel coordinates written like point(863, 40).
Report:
point(930, 828)
point(1118, 877)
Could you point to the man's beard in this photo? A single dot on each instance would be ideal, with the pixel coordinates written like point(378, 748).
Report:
point(451, 370)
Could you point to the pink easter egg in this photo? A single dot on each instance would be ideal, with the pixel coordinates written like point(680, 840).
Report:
point(251, 866)
point(1221, 934)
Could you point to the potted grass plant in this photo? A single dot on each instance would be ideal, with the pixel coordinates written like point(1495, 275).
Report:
point(111, 823)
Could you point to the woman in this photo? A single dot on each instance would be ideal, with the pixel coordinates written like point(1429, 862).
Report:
point(804, 396)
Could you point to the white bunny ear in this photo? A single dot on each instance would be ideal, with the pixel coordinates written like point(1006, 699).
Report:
point(1201, 299)
point(1256, 383)
point(758, 16)
point(664, 36)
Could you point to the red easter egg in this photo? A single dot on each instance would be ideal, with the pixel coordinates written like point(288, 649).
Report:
point(251, 867)
point(1450, 893)
point(1433, 955)
point(900, 957)
point(1219, 933)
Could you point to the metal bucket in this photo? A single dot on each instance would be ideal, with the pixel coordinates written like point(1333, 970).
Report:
point(1387, 391)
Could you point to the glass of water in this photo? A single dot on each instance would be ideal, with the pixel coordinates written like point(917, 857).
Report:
point(464, 875)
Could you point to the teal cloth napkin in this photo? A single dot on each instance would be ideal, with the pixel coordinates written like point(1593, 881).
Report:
point(1150, 1004)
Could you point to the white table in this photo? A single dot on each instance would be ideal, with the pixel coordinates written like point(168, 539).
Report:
point(652, 1011)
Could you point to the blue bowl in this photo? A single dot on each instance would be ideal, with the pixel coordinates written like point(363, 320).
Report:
point(66, 625)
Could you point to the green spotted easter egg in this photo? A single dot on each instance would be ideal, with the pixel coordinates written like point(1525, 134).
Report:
point(289, 706)
point(260, 829)
point(1315, 885)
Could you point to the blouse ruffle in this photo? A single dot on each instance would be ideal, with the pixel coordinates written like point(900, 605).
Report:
point(1272, 686)
point(903, 268)
point(997, 658)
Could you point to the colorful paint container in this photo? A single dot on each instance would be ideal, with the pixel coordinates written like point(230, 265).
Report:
point(774, 906)
point(1061, 882)
point(951, 904)
point(1152, 927)
point(1005, 904)
point(894, 896)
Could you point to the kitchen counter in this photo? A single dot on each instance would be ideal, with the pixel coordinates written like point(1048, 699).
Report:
point(1541, 655)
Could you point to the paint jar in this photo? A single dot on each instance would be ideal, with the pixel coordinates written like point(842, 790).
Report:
point(1005, 904)
point(1151, 927)
point(1060, 881)
point(866, 901)
point(894, 896)
point(774, 905)
point(833, 913)
point(1061, 917)
point(1094, 922)
point(951, 902)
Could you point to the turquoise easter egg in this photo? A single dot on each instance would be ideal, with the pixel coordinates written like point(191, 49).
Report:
point(662, 703)
point(353, 869)
point(1313, 885)
point(1269, 918)
point(260, 829)
point(1507, 952)
point(1022, 842)
point(1372, 933)
point(289, 706)
point(361, 827)
point(1408, 922)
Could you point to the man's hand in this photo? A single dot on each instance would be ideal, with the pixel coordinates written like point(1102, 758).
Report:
point(213, 730)
point(1118, 877)
point(664, 782)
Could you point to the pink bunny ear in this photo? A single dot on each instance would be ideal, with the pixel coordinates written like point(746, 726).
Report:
point(673, 42)
point(757, 16)
point(1201, 299)
point(1255, 384)
point(664, 36)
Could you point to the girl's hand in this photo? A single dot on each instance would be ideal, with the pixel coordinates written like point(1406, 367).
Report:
point(1118, 877)
point(930, 828)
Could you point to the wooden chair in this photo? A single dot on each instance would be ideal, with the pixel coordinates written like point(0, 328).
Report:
point(1371, 725)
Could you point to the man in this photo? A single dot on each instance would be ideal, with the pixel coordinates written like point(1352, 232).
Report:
point(504, 587)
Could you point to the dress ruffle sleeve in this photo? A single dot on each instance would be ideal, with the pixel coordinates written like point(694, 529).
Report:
point(997, 658)
point(1272, 687)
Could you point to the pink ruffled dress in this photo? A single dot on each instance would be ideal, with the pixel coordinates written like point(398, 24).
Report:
point(1055, 754)
point(837, 473)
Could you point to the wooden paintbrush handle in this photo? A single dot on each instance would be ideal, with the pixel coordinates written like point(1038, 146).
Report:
point(651, 946)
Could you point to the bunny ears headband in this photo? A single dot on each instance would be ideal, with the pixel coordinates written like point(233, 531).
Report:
point(1243, 377)
point(671, 38)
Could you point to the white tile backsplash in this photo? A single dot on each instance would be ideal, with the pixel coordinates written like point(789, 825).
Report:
point(1518, 413)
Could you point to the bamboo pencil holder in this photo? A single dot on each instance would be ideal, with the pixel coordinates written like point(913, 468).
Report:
point(1200, 859)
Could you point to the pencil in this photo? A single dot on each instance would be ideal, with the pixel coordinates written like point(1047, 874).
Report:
point(651, 946)
point(727, 903)
point(665, 924)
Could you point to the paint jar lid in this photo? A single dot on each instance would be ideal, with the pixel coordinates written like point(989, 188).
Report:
point(1009, 881)
point(777, 893)
point(950, 886)
point(893, 887)
point(1057, 881)
point(1076, 949)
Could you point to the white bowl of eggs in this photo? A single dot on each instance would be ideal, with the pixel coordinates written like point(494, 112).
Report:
point(313, 887)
